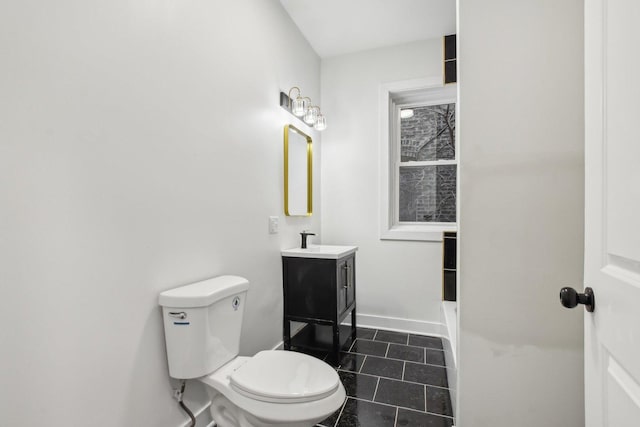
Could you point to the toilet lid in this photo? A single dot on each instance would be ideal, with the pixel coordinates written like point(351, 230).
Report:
point(284, 377)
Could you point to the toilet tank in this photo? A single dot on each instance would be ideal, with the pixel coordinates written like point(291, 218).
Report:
point(202, 323)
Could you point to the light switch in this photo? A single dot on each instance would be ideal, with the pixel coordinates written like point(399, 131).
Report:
point(273, 225)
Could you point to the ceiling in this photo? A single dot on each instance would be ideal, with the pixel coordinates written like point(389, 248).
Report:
point(336, 27)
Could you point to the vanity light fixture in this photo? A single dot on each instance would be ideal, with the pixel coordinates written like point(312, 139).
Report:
point(301, 106)
point(321, 123)
point(311, 115)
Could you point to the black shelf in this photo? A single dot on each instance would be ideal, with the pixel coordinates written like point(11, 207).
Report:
point(320, 337)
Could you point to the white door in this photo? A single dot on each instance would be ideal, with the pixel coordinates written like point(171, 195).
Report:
point(612, 205)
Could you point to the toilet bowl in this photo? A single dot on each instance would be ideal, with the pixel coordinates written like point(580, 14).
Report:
point(202, 324)
point(273, 388)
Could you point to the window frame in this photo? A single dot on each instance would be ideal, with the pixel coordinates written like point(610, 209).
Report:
point(394, 97)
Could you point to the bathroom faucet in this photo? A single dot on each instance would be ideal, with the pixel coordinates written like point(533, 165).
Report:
point(304, 235)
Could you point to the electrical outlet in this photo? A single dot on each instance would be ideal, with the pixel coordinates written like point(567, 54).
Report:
point(273, 225)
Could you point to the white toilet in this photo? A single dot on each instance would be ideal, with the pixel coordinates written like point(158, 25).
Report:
point(202, 324)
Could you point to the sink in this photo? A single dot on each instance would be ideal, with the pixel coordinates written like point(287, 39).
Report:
point(320, 251)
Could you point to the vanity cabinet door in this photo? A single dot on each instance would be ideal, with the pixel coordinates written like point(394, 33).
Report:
point(346, 283)
point(342, 284)
point(310, 288)
point(351, 279)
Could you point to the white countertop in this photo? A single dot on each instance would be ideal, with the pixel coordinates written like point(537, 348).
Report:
point(320, 251)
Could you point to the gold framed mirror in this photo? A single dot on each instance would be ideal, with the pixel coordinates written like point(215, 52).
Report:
point(298, 172)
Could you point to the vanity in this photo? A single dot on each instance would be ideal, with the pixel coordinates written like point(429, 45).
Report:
point(319, 285)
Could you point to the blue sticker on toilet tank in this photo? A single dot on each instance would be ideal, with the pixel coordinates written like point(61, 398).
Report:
point(181, 323)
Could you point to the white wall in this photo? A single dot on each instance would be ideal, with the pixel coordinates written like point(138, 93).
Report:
point(521, 205)
point(399, 279)
point(140, 149)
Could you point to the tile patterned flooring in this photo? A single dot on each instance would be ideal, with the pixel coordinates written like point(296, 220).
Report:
point(392, 379)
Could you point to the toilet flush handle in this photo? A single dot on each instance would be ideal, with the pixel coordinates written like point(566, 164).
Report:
point(178, 314)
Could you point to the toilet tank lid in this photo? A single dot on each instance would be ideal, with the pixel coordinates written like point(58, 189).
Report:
point(204, 293)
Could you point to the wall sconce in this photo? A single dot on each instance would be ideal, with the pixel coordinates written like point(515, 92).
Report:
point(301, 106)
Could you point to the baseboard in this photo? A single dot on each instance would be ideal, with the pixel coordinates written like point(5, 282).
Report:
point(397, 324)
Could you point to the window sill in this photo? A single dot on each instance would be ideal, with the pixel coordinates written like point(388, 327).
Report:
point(424, 233)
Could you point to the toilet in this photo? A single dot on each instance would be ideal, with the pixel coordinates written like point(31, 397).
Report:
point(202, 325)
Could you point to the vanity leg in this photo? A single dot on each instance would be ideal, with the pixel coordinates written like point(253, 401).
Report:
point(286, 334)
point(336, 343)
point(353, 324)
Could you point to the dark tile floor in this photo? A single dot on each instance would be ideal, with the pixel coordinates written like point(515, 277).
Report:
point(392, 379)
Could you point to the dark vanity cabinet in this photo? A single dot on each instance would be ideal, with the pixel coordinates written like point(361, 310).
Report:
point(321, 293)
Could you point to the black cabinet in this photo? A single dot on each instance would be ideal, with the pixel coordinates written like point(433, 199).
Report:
point(449, 274)
point(450, 59)
point(321, 293)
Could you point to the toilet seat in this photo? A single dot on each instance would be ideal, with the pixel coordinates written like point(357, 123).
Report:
point(278, 411)
point(284, 377)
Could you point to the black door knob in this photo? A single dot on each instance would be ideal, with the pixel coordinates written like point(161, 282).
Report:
point(570, 298)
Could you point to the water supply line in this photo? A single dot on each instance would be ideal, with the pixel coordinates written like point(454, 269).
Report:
point(178, 395)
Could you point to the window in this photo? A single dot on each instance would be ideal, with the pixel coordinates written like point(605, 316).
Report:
point(418, 160)
point(426, 169)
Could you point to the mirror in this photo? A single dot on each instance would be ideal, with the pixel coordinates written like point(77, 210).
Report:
point(297, 172)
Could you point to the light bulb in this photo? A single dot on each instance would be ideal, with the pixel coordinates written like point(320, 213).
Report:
point(298, 107)
point(321, 123)
point(310, 116)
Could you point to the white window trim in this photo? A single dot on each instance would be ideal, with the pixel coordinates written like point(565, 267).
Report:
point(393, 96)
